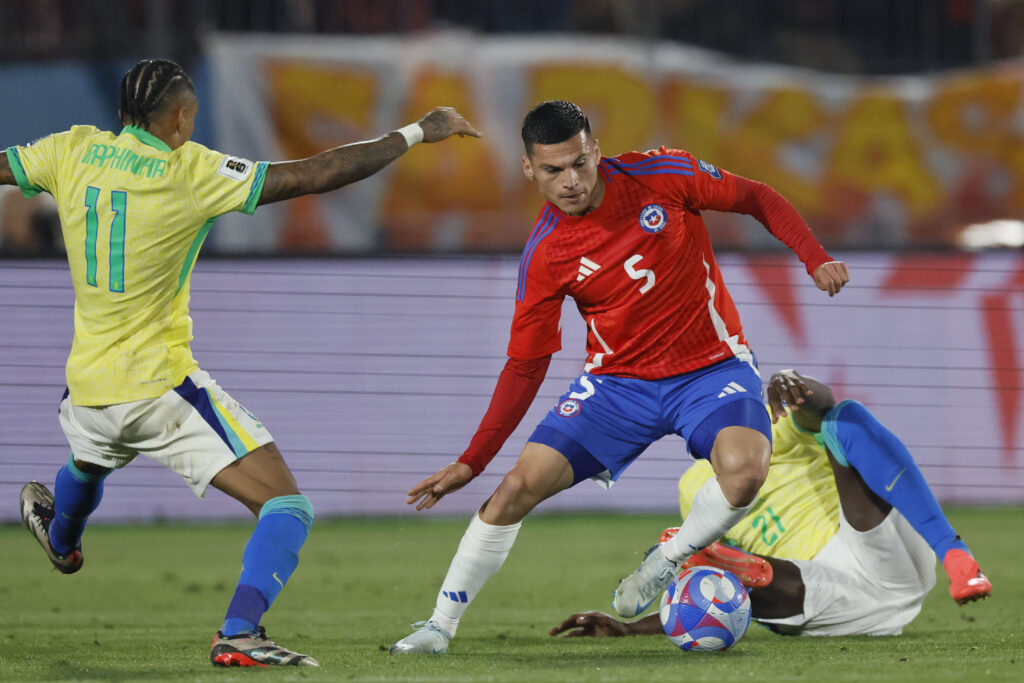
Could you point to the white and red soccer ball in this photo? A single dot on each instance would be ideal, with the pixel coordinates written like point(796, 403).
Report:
point(705, 608)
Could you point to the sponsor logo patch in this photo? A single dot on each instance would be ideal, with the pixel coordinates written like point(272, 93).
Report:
point(570, 407)
point(235, 168)
point(709, 169)
point(653, 218)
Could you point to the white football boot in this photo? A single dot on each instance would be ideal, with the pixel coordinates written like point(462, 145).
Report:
point(427, 638)
point(640, 589)
point(37, 513)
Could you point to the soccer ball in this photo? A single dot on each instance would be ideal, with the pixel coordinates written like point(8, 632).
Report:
point(705, 608)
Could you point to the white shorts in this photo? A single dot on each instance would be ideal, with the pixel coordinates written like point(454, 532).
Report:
point(196, 430)
point(864, 582)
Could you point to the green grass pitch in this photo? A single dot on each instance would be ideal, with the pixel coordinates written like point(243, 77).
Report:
point(149, 598)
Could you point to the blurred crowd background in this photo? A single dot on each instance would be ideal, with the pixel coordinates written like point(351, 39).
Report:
point(849, 36)
point(61, 60)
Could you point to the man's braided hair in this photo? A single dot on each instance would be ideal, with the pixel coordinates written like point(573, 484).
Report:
point(148, 85)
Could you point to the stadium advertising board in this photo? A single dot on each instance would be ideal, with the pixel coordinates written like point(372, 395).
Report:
point(373, 373)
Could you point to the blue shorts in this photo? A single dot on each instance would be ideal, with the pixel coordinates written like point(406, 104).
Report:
point(604, 422)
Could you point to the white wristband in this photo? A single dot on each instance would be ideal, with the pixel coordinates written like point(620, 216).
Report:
point(412, 133)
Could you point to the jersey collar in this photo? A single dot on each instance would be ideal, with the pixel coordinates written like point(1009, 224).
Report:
point(146, 138)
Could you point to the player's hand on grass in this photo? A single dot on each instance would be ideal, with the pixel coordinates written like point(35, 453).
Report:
point(591, 625)
point(786, 387)
point(435, 487)
point(444, 122)
point(830, 277)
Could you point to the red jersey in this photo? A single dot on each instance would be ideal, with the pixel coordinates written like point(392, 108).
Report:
point(640, 268)
point(644, 278)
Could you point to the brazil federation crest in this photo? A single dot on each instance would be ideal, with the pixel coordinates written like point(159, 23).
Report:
point(570, 407)
point(653, 218)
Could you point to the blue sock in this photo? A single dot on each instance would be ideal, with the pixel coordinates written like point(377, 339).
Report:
point(76, 494)
point(856, 438)
point(270, 558)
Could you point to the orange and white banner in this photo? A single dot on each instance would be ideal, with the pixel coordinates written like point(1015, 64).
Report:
point(878, 162)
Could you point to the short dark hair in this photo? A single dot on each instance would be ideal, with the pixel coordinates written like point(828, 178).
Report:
point(552, 122)
point(150, 84)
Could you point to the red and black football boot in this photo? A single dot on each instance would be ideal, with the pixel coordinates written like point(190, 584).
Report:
point(254, 649)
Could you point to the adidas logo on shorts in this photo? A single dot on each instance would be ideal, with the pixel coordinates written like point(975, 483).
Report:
point(731, 388)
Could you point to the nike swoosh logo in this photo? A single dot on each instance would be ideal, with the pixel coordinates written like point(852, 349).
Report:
point(893, 483)
point(274, 575)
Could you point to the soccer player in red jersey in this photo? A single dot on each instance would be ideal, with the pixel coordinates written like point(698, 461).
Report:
point(622, 236)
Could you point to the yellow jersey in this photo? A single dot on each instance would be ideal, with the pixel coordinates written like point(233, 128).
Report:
point(134, 214)
point(797, 511)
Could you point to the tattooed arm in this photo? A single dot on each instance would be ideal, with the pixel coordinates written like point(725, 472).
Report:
point(346, 164)
point(6, 175)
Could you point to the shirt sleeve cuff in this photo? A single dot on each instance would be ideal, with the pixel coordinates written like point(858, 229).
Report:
point(819, 259)
point(474, 464)
point(256, 190)
point(24, 184)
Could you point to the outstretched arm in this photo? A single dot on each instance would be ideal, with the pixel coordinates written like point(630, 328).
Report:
point(782, 220)
point(6, 174)
point(516, 388)
point(601, 625)
point(346, 164)
point(810, 399)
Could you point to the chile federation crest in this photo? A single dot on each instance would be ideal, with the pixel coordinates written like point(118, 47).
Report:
point(570, 407)
point(653, 218)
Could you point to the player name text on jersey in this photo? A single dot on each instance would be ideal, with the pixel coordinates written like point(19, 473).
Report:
point(122, 159)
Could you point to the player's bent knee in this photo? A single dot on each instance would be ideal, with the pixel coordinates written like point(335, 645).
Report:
point(740, 488)
point(740, 472)
point(748, 464)
point(297, 506)
point(857, 439)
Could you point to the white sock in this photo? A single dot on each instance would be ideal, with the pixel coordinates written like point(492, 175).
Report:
point(709, 519)
point(481, 553)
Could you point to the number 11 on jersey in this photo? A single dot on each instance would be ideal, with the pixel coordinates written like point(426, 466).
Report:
point(119, 205)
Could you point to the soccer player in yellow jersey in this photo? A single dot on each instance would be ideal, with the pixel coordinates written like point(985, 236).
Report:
point(844, 537)
point(135, 207)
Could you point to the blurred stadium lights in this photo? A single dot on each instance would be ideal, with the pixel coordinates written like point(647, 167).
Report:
point(999, 234)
